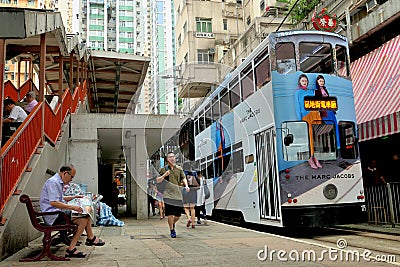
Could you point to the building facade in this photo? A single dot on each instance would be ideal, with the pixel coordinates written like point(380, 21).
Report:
point(160, 94)
point(24, 64)
point(112, 25)
point(65, 7)
point(213, 37)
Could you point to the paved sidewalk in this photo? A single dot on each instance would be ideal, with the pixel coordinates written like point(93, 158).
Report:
point(147, 243)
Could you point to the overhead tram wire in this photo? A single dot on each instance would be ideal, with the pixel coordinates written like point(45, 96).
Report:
point(287, 16)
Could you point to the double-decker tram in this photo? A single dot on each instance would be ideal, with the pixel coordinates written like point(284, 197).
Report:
point(278, 152)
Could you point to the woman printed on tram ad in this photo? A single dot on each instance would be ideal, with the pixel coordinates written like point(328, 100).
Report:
point(328, 116)
point(311, 117)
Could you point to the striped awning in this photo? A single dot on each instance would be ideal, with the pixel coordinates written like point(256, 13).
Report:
point(376, 81)
point(382, 126)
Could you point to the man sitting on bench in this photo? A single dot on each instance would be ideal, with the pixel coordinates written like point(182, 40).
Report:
point(53, 199)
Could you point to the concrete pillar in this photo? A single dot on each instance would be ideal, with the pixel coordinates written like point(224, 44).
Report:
point(83, 152)
point(130, 182)
point(141, 176)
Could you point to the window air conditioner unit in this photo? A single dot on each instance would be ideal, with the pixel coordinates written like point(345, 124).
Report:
point(371, 5)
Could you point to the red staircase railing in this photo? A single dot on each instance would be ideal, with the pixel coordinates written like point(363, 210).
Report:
point(19, 149)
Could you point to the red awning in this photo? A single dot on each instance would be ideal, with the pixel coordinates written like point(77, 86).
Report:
point(376, 80)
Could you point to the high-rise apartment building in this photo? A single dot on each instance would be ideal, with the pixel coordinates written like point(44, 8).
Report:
point(113, 25)
point(163, 91)
point(122, 26)
point(213, 37)
point(65, 7)
point(37, 4)
point(205, 30)
point(159, 92)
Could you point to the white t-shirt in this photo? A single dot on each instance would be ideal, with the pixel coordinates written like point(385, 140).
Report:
point(18, 114)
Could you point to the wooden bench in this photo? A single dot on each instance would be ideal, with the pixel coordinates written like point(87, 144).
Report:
point(36, 217)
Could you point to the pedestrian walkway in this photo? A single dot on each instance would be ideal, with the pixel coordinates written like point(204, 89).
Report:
point(147, 243)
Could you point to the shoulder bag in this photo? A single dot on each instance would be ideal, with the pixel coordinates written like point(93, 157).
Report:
point(207, 193)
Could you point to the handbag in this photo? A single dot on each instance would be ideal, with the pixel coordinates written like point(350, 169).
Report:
point(161, 185)
point(207, 193)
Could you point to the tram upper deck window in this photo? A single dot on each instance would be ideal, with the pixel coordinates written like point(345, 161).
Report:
point(342, 63)
point(234, 95)
point(196, 126)
point(285, 58)
point(201, 123)
point(215, 108)
point(316, 58)
point(348, 143)
point(208, 118)
point(262, 71)
point(247, 82)
point(225, 105)
point(295, 143)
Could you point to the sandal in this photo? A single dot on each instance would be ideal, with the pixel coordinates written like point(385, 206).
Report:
point(72, 254)
point(90, 242)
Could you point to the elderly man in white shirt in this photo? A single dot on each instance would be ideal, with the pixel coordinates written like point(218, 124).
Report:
point(17, 114)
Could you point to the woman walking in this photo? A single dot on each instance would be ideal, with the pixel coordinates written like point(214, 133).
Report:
point(190, 198)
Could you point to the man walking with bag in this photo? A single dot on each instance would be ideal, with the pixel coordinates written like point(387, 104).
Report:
point(172, 193)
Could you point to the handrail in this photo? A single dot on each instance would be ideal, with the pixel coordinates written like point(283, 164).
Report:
point(18, 94)
point(19, 149)
point(10, 90)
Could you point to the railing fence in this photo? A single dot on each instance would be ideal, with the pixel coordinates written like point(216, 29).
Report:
point(383, 203)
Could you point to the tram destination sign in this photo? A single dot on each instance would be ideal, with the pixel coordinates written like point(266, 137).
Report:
point(320, 103)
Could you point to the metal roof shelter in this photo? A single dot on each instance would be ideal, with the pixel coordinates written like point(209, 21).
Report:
point(116, 79)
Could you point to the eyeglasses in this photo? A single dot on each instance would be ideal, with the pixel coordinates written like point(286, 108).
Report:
point(70, 175)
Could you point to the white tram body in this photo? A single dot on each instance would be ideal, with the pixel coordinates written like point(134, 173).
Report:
point(254, 150)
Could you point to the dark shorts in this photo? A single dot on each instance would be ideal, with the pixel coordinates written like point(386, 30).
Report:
point(173, 207)
point(60, 220)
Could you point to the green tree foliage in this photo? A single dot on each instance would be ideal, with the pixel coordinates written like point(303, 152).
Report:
point(302, 9)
